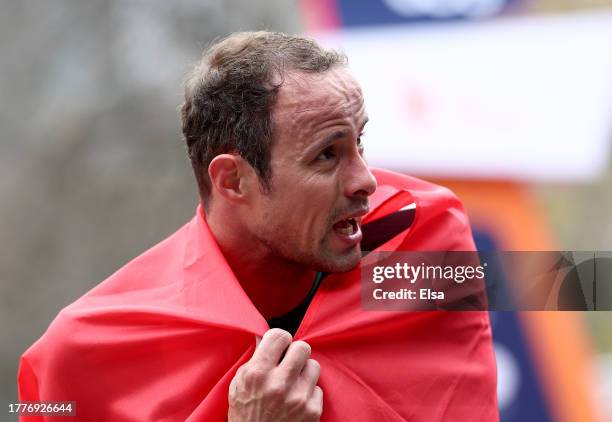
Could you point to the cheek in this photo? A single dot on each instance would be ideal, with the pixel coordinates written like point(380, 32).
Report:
point(314, 205)
point(322, 193)
point(279, 217)
point(299, 216)
point(300, 206)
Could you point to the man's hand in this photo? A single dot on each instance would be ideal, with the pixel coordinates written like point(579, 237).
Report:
point(273, 387)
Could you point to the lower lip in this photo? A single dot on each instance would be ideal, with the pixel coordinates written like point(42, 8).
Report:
point(350, 239)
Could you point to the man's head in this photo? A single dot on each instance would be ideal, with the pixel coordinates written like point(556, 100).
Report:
point(273, 124)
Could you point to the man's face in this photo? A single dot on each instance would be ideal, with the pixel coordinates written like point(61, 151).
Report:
point(320, 181)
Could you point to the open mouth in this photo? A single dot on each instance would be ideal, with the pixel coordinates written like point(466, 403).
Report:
point(347, 227)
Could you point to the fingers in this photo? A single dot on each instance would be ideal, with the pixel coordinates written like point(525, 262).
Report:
point(295, 359)
point(276, 387)
point(314, 406)
point(311, 373)
point(272, 346)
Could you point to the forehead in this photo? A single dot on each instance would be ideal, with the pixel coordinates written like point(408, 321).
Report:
point(306, 100)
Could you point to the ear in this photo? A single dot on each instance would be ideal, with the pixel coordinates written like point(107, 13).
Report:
point(226, 172)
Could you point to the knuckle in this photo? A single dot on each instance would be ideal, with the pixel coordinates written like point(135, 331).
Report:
point(312, 412)
point(276, 391)
point(254, 375)
point(297, 403)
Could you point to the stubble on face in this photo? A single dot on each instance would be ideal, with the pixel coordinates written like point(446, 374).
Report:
point(319, 258)
point(299, 211)
point(282, 243)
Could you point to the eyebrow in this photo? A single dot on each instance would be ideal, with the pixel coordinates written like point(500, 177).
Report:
point(338, 134)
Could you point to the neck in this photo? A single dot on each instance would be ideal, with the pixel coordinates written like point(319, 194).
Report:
point(274, 285)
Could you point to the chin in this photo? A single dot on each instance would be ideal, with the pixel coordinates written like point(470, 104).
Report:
point(341, 264)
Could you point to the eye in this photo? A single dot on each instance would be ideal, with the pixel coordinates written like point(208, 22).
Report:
point(326, 154)
point(360, 141)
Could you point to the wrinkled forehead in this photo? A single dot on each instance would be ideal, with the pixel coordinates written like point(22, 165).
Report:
point(334, 92)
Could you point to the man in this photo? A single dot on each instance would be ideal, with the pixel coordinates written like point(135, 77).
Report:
point(273, 126)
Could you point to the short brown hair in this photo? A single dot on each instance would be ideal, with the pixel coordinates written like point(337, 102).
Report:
point(230, 93)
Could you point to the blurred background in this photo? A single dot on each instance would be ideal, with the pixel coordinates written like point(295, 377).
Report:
point(508, 102)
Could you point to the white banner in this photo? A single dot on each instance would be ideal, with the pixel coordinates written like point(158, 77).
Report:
point(526, 98)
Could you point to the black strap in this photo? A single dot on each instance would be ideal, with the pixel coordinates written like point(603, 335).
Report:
point(292, 319)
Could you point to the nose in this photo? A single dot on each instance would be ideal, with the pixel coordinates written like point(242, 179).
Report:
point(360, 180)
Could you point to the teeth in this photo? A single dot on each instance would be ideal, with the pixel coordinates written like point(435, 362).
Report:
point(347, 227)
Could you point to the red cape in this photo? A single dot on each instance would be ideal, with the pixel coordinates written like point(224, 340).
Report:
point(163, 336)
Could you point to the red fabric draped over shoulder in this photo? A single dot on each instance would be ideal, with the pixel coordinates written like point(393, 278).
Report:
point(162, 338)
